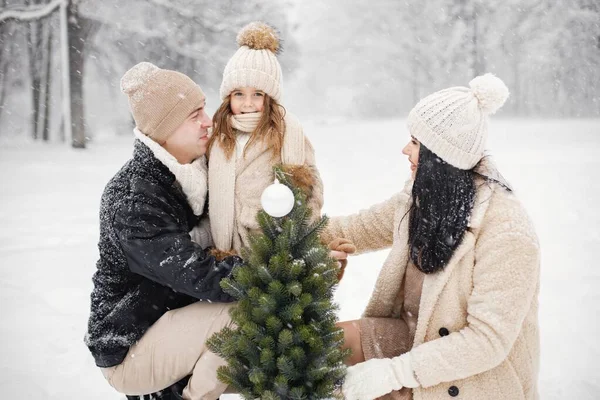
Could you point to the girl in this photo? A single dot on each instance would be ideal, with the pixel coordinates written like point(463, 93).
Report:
point(252, 133)
point(454, 310)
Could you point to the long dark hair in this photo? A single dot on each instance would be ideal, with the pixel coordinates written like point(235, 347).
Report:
point(443, 198)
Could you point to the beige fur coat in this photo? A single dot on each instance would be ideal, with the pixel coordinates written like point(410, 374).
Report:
point(486, 298)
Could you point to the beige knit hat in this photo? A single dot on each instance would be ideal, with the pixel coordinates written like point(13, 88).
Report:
point(160, 99)
point(453, 123)
point(255, 63)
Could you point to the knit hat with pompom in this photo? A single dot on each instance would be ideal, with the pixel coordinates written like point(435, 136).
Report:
point(453, 123)
point(255, 63)
point(160, 100)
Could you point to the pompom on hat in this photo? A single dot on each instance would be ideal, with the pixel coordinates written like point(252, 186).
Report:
point(255, 63)
point(160, 99)
point(453, 123)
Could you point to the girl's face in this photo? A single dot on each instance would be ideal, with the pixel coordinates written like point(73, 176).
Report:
point(247, 100)
point(412, 151)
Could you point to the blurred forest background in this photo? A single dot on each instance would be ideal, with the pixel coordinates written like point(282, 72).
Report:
point(356, 59)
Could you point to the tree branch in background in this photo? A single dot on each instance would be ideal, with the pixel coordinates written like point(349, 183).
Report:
point(30, 12)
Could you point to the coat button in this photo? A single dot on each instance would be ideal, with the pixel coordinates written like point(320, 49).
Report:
point(444, 332)
point(453, 391)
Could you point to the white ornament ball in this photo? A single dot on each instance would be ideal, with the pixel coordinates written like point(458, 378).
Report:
point(277, 200)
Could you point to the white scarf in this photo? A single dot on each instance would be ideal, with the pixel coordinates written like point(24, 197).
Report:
point(245, 122)
point(221, 206)
point(192, 177)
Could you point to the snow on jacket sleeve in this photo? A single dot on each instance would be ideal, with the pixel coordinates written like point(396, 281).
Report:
point(157, 247)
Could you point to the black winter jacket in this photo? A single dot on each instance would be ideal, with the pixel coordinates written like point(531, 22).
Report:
point(148, 263)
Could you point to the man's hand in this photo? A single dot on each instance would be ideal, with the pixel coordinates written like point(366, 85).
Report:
point(232, 262)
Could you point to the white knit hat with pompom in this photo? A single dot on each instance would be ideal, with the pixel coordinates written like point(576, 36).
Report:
point(255, 63)
point(453, 123)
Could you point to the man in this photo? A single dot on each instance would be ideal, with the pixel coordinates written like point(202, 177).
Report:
point(147, 328)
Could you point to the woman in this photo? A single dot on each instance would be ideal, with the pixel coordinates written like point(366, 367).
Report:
point(454, 310)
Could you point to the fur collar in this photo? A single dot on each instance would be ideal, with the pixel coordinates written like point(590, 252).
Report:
point(487, 169)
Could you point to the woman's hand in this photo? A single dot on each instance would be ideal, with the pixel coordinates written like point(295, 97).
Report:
point(340, 248)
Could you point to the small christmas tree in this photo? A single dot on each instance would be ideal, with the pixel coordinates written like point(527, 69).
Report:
point(285, 344)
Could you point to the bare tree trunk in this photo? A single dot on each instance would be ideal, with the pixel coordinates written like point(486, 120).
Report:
point(61, 129)
point(33, 37)
point(77, 37)
point(3, 72)
point(39, 35)
point(47, 80)
point(5, 57)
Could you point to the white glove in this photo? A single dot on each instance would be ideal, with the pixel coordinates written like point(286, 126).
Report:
point(378, 377)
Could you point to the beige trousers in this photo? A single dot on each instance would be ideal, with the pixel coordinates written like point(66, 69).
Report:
point(171, 349)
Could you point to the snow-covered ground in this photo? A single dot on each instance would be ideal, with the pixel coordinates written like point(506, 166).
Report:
point(49, 229)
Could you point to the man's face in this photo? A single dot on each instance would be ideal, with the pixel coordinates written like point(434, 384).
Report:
point(190, 139)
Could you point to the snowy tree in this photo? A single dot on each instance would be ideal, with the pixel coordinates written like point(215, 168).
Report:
point(193, 37)
point(381, 58)
point(106, 38)
point(38, 34)
point(365, 60)
point(6, 58)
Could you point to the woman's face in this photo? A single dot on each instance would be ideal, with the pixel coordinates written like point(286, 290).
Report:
point(412, 151)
